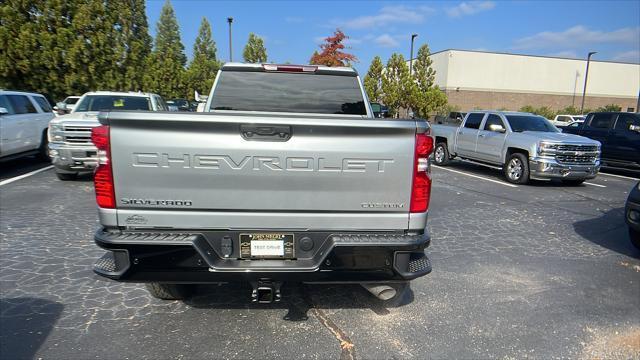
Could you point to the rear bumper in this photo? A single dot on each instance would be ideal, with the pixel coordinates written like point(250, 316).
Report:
point(199, 257)
point(73, 158)
point(541, 168)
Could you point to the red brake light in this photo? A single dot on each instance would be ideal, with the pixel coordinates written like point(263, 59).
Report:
point(421, 189)
point(103, 177)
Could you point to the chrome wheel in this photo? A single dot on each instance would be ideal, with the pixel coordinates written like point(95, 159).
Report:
point(515, 169)
point(439, 155)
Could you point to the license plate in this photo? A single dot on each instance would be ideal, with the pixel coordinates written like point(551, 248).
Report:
point(266, 246)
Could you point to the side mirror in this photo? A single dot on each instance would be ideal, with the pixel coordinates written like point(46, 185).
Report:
point(172, 108)
point(61, 108)
point(3, 111)
point(497, 128)
point(632, 127)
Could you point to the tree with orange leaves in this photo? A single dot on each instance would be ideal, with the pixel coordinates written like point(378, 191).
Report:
point(332, 54)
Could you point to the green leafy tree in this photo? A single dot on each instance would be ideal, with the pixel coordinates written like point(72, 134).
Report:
point(254, 51)
point(569, 110)
point(204, 66)
point(397, 85)
point(34, 35)
point(132, 42)
point(542, 111)
point(610, 107)
point(426, 98)
point(165, 64)
point(373, 80)
point(92, 56)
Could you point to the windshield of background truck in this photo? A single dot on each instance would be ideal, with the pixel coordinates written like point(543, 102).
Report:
point(113, 102)
point(288, 92)
point(520, 123)
point(71, 100)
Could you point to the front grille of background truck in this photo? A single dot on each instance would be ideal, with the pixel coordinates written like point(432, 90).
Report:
point(77, 135)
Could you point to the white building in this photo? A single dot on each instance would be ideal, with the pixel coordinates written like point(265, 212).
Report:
point(477, 79)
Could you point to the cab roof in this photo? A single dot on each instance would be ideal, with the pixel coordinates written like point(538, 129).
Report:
point(268, 67)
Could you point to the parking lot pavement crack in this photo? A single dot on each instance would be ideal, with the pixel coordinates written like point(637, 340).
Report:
point(348, 351)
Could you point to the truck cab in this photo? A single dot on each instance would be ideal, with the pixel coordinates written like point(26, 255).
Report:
point(619, 134)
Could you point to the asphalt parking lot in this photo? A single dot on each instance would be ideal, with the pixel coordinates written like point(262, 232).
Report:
point(540, 271)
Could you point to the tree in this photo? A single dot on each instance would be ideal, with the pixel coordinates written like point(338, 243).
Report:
point(332, 54)
point(34, 35)
point(204, 66)
point(133, 43)
point(609, 108)
point(373, 80)
point(542, 111)
point(426, 98)
point(254, 51)
point(165, 64)
point(397, 85)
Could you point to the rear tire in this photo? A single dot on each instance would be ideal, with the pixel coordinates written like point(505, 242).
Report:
point(43, 153)
point(572, 182)
point(66, 176)
point(169, 291)
point(441, 154)
point(634, 236)
point(516, 170)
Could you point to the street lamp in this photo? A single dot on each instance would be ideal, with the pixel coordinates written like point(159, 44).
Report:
point(586, 77)
point(230, 20)
point(413, 36)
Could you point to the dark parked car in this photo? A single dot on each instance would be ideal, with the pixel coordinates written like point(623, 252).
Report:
point(619, 134)
point(181, 104)
point(632, 215)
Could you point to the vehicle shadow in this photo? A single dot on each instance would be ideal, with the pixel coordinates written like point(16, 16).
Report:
point(298, 299)
point(25, 324)
point(19, 166)
point(608, 230)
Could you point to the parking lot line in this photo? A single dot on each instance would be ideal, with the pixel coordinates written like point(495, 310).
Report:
point(475, 176)
point(592, 184)
point(618, 176)
point(10, 180)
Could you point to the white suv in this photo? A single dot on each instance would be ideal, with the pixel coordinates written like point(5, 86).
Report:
point(564, 120)
point(24, 118)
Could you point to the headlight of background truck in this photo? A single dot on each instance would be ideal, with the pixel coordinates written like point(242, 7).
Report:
point(547, 149)
point(55, 133)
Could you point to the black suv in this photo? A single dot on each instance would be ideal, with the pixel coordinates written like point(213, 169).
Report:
point(619, 133)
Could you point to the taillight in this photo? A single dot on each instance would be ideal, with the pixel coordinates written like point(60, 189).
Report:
point(103, 177)
point(421, 189)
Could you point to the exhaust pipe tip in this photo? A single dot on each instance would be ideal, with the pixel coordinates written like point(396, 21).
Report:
point(381, 291)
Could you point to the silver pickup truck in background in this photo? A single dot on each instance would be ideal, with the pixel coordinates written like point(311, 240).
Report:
point(70, 147)
point(286, 177)
point(524, 145)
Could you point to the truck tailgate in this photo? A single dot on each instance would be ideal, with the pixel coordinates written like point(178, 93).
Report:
point(250, 171)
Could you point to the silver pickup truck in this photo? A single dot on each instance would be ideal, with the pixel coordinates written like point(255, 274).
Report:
point(524, 145)
point(70, 147)
point(286, 177)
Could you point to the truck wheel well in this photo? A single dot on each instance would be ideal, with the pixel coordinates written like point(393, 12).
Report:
point(440, 139)
point(513, 150)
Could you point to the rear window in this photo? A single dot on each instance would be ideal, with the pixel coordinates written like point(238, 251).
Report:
point(113, 102)
point(288, 92)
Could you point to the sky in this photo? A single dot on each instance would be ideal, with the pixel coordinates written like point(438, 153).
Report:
point(292, 30)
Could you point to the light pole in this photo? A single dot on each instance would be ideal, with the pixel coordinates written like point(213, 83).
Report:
point(586, 77)
point(230, 20)
point(413, 36)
